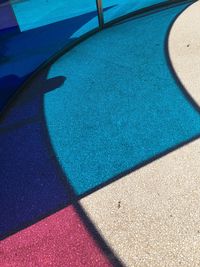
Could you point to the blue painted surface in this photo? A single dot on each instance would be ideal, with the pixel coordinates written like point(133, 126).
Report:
point(120, 106)
point(29, 16)
point(30, 185)
point(45, 27)
point(36, 13)
point(22, 53)
point(30, 182)
point(126, 6)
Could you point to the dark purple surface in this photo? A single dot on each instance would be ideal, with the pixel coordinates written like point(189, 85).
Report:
point(7, 17)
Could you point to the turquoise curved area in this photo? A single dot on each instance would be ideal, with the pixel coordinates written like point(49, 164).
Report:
point(120, 104)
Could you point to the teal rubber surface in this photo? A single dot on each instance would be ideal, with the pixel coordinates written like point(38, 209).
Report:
point(120, 105)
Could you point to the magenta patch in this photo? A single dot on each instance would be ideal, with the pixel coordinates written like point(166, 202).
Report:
point(59, 240)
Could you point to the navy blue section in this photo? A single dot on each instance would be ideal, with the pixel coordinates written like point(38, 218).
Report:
point(5, 34)
point(29, 103)
point(29, 184)
point(30, 180)
point(9, 84)
point(22, 53)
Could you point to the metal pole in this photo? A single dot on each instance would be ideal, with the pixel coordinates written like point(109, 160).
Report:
point(100, 14)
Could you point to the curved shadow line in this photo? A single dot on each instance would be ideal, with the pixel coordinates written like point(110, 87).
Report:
point(43, 66)
point(95, 235)
point(137, 167)
point(164, 153)
point(84, 37)
point(74, 198)
point(185, 92)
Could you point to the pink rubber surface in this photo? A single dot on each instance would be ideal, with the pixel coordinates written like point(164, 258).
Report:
point(59, 240)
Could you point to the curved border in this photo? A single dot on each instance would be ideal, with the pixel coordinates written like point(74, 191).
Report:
point(68, 47)
point(173, 71)
point(164, 153)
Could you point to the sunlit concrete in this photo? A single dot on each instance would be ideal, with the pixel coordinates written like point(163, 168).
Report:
point(152, 216)
point(184, 49)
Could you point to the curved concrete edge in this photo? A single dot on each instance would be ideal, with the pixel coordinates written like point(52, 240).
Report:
point(184, 50)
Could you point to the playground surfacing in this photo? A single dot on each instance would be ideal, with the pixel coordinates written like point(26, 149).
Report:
point(124, 134)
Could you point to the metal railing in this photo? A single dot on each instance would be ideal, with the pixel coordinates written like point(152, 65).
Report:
point(100, 13)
